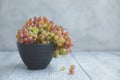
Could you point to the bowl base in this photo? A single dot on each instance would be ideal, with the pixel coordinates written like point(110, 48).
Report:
point(36, 68)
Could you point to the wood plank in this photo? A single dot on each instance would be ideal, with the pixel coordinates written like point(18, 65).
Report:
point(41, 74)
point(57, 74)
point(117, 53)
point(22, 73)
point(3, 56)
point(8, 61)
point(94, 67)
point(111, 61)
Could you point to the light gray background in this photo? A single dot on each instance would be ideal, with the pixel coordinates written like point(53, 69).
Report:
point(94, 24)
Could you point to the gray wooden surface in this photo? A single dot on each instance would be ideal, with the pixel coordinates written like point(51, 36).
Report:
point(89, 66)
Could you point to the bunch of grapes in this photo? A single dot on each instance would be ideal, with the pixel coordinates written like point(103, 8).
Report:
point(39, 30)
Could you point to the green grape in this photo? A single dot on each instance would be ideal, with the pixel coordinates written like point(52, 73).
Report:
point(46, 34)
point(63, 68)
point(41, 29)
point(52, 34)
point(44, 42)
point(64, 51)
point(62, 39)
point(56, 37)
point(17, 37)
point(59, 44)
point(35, 32)
point(35, 29)
point(48, 27)
point(57, 48)
point(29, 28)
point(60, 51)
point(55, 31)
point(48, 42)
point(43, 32)
point(48, 37)
point(56, 53)
point(30, 33)
point(43, 26)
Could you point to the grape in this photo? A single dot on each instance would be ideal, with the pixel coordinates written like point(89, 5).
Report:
point(25, 35)
point(67, 42)
point(21, 41)
point(43, 26)
point(70, 49)
point(35, 23)
point(44, 42)
point(56, 53)
point(71, 43)
point(63, 68)
point(40, 22)
point(45, 19)
point(24, 30)
point(67, 34)
point(48, 42)
point(41, 29)
point(71, 71)
point(59, 44)
point(72, 66)
point(29, 28)
point(20, 35)
point(62, 39)
point(30, 20)
point(27, 23)
point(56, 37)
point(67, 50)
point(35, 32)
point(55, 31)
point(59, 33)
point(52, 34)
point(38, 30)
point(64, 51)
point(35, 18)
point(46, 34)
point(25, 40)
point(41, 37)
point(38, 19)
point(48, 27)
point(30, 39)
point(51, 22)
point(51, 27)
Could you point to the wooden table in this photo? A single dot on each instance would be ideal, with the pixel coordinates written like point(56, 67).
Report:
point(89, 66)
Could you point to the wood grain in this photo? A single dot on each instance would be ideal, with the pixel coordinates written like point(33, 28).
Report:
point(99, 66)
point(89, 66)
point(67, 61)
point(8, 62)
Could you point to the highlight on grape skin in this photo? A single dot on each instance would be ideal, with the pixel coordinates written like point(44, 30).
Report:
point(39, 30)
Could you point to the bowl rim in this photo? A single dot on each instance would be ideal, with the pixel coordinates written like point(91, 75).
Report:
point(35, 44)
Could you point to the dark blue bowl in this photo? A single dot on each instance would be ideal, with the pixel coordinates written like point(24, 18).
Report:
point(36, 56)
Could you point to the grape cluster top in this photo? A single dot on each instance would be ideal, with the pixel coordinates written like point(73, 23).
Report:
point(39, 30)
